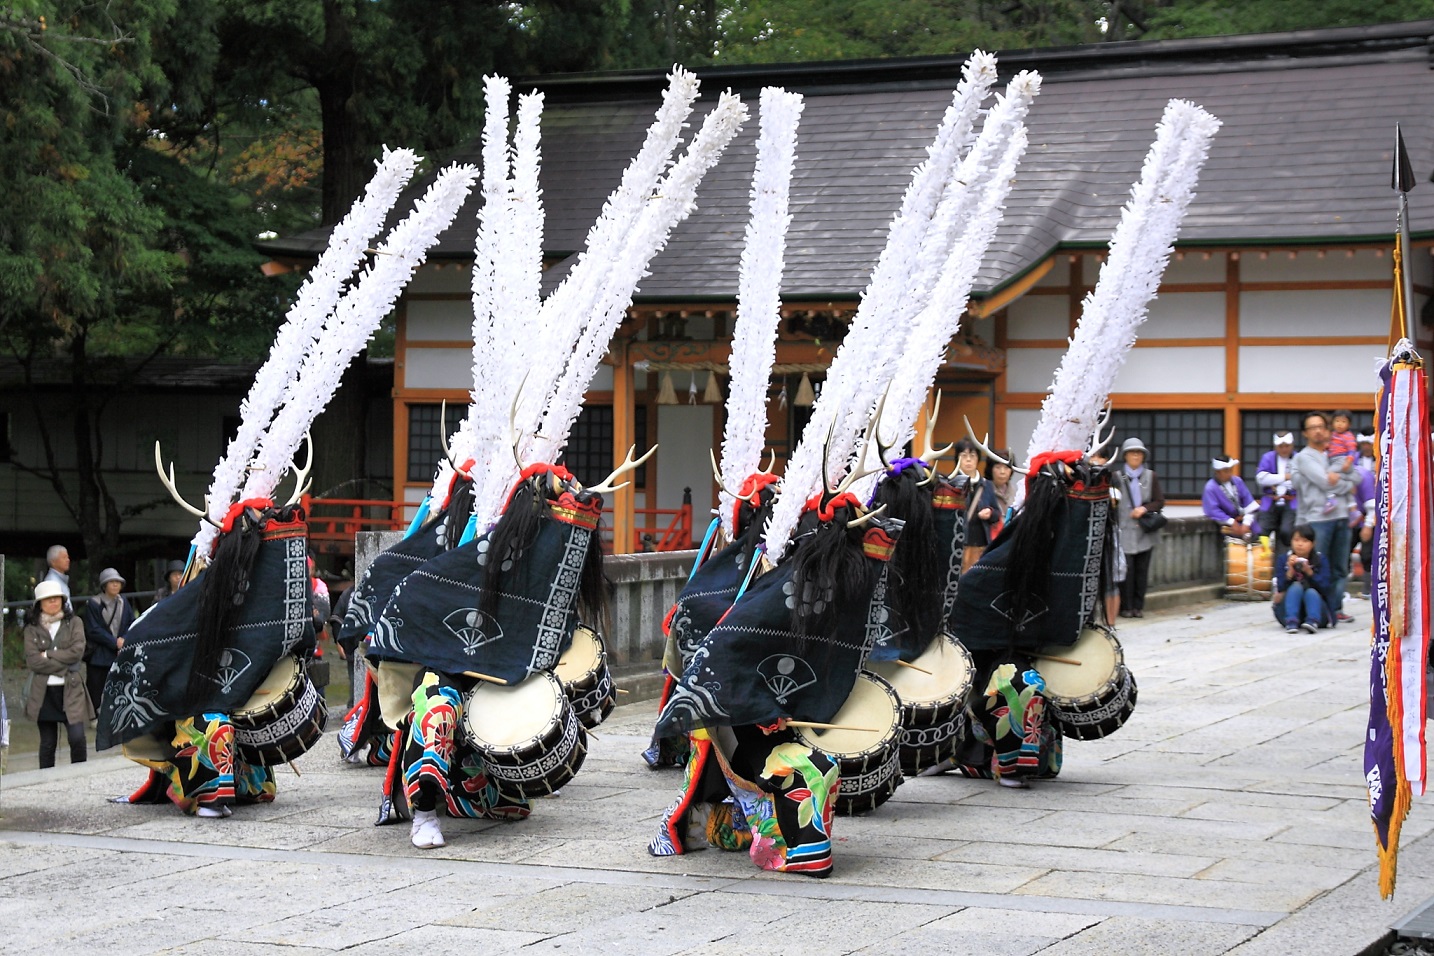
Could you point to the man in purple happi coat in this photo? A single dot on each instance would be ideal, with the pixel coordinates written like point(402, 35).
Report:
point(1277, 502)
point(1228, 502)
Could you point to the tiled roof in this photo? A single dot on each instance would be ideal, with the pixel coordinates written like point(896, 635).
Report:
point(1304, 154)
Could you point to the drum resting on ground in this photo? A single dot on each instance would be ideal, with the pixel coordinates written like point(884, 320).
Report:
point(1094, 697)
point(868, 747)
point(284, 718)
point(528, 734)
point(934, 692)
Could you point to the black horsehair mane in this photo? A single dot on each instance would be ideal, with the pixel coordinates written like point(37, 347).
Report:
point(221, 596)
point(915, 558)
point(515, 533)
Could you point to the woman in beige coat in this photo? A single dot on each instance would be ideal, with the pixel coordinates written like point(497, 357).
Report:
point(54, 648)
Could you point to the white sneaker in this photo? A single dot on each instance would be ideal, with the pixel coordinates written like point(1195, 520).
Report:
point(425, 832)
point(213, 813)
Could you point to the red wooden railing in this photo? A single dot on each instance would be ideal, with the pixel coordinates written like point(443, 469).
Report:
point(337, 520)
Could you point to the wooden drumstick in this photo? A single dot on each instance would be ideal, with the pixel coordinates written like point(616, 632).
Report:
point(295, 767)
point(914, 667)
point(1058, 660)
point(489, 678)
point(814, 725)
point(621, 691)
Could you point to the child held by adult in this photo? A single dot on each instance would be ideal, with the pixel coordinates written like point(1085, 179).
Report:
point(1301, 580)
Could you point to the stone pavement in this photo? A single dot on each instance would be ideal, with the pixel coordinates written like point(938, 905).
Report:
point(1227, 816)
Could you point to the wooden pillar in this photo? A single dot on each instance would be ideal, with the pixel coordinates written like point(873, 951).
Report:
point(623, 437)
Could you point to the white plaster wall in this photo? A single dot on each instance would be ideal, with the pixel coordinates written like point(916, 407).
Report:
point(1309, 368)
point(1038, 317)
point(438, 320)
point(1059, 275)
point(1031, 370)
point(1196, 268)
point(1020, 423)
point(1185, 315)
point(684, 433)
point(1309, 266)
point(1173, 369)
point(602, 380)
point(442, 278)
point(1299, 315)
point(437, 368)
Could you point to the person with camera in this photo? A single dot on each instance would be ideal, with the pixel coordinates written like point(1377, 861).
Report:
point(1302, 579)
point(1140, 508)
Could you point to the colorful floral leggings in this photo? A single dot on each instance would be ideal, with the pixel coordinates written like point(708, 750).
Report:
point(204, 769)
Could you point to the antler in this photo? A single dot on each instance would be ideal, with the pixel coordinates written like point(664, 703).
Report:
point(988, 452)
point(301, 486)
point(928, 453)
point(771, 461)
point(628, 464)
point(858, 522)
point(721, 483)
point(514, 436)
point(857, 472)
point(443, 432)
point(168, 482)
point(881, 447)
point(1097, 443)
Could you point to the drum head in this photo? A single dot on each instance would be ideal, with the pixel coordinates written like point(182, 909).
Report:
point(502, 716)
point(951, 673)
point(872, 704)
point(581, 658)
point(1101, 660)
point(285, 674)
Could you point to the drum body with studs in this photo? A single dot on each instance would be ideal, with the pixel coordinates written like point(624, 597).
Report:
point(528, 734)
point(284, 718)
point(1092, 698)
point(868, 748)
point(1249, 571)
point(933, 693)
point(585, 677)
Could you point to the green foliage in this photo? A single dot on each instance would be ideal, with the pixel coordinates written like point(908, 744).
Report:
point(1225, 17)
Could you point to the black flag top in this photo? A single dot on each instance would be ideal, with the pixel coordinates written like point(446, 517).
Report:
point(1040, 580)
point(458, 613)
point(147, 684)
point(1402, 177)
point(394, 564)
point(760, 663)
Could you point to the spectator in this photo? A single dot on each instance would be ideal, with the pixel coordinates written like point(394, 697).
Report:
point(318, 668)
point(1227, 502)
point(1278, 501)
point(108, 617)
point(348, 648)
point(58, 559)
point(1362, 524)
point(173, 574)
point(55, 692)
point(980, 503)
point(999, 475)
point(1365, 458)
point(1301, 584)
point(1140, 506)
point(1342, 451)
point(1316, 480)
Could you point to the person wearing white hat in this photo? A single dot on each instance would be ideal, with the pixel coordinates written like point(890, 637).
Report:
point(1365, 458)
point(1227, 502)
point(107, 620)
point(1141, 503)
point(55, 692)
point(1275, 478)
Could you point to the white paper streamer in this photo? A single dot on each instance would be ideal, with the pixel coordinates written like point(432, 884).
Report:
point(297, 335)
point(358, 314)
point(754, 337)
point(1139, 251)
point(875, 338)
